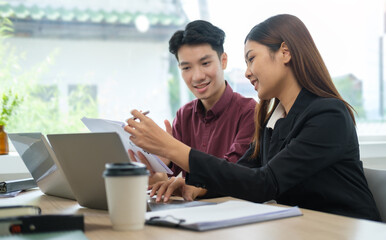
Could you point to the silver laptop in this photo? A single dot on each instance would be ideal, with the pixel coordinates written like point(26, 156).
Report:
point(41, 162)
point(82, 157)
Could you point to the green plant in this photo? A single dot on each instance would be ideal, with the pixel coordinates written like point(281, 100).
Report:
point(9, 102)
point(5, 27)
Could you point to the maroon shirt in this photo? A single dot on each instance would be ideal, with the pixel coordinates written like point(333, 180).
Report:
point(224, 132)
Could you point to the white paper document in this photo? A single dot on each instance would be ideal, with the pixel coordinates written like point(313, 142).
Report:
point(103, 125)
point(227, 214)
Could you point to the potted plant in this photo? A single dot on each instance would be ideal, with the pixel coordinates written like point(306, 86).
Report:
point(9, 102)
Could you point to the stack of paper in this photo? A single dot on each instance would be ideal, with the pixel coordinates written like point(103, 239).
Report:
point(230, 213)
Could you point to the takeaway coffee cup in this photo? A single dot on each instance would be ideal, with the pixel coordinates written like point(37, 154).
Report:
point(126, 185)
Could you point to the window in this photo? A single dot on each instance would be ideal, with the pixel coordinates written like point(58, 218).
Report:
point(102, 59)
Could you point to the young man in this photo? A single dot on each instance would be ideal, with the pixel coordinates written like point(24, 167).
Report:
point(220, 121)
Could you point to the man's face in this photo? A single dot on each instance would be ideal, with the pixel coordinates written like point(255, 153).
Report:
point(203, 72)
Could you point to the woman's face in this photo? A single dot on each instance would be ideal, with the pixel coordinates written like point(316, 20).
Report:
point(266, 70)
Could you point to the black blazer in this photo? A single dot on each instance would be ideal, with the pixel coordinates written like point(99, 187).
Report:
point(310, 160)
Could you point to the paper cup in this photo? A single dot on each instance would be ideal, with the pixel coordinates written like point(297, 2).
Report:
point(126, 185)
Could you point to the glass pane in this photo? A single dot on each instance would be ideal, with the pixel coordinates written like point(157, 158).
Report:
point(69, 59)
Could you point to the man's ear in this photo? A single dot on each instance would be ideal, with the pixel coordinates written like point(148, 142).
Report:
point(285, 52)
point(224, 60)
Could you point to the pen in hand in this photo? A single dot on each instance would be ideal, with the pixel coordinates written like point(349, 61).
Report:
point(134, 118)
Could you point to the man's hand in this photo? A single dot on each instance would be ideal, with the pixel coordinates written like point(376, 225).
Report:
point(168, 128)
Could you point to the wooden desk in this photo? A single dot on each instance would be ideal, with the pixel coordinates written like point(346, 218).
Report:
point(312, 225)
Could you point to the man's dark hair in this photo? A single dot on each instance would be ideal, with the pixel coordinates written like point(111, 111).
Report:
point(196, 33)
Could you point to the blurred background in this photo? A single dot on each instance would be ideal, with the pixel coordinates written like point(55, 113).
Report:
point(68, 59)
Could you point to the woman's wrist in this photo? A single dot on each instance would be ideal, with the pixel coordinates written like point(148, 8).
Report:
point(178, 153)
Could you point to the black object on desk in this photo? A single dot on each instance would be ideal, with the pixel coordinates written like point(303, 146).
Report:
point(17, 185)
point(41, 223)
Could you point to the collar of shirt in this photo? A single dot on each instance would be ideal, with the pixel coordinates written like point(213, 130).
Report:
point(276, 115)
point(302, 102)
point(220, 106)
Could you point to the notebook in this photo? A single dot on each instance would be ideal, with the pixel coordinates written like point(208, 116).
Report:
point(42, 163)
point(226, 214)
point(19, 210)
point(61, 235)
point(82, 157)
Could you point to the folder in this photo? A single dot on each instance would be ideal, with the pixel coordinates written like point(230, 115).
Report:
point(153, 206)
point(227, 214)
point(17, 185)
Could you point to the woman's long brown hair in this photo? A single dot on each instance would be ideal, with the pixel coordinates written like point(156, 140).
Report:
point(306, 63)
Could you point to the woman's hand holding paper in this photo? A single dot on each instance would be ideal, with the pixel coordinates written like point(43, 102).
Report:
point(146, 134)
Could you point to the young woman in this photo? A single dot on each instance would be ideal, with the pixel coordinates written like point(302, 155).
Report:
point(305, 150)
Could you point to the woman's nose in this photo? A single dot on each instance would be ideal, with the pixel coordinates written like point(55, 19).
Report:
point(248, 74)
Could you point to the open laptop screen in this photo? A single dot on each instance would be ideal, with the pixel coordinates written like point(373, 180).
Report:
point(33, 153)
